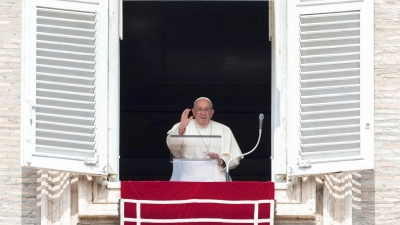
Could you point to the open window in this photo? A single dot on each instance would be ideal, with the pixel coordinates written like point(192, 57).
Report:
point(322, 85)
point(176, 51)
point(65, 85)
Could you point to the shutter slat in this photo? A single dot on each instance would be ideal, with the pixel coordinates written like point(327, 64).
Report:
point(65, 31)
point(44, 60)
point(66, 14)
point(330, 82)
point(70, 77)
point(65, 63)
point(304, 106)
point(66, 119)
point(337, 159)
point(322, 43)
point(335, 47)
point(43, 99)
point(330, 57)
point(88, 41)
point(94, 2)
point(65, 136)
point(330, 154)
point(304, 3)
point(43, 122)
point(330, 90)
point(46, 151)
point(330, 139)
point(311, 35)
point(330, 74)
point(330, 66)
point(67, 143)
point(314, 80)
point(327, 95)
point(57, 143)
point(331, 21)
point(57, 21)
point(65, 71)
point(66, 52)
point(65, 84)
point(65, 133)
point(59, 69)
point(330, 122)
point(330, 50)
point(57, 54)
point(65, 111)
point(322, 27)
point(65, 79)
point(66, 104)
point(331, 107)
point(65, 95)
point(332, 114)
point(336, 99)
point(340, 16)
point(67, 47)
point(333, 63)
point(314, 136)
point(63, 38)
point(65, 127)
point(330, 146)
point(65, 87)
point(330, 130)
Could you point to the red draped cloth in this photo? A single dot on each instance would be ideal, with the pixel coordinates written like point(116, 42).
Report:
point(210, 202)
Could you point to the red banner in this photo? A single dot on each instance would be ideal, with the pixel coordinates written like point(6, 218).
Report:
point(160, 202)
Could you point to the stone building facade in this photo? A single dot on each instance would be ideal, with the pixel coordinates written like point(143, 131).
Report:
point(30, 196)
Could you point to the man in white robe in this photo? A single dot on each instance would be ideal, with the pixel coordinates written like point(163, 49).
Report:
point(203, 126)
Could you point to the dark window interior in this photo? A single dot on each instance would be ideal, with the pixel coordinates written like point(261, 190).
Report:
point(174, 52)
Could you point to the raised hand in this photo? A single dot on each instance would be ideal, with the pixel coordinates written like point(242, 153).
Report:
point(184, 121)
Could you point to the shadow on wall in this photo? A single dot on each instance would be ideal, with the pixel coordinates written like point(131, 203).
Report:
point(30, 196)
point(364, 198)
point(337, 193)
point(338, 199)
point(55, 197)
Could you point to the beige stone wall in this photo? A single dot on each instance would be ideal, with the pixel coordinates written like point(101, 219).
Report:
point(19, 194)
point(377, 194)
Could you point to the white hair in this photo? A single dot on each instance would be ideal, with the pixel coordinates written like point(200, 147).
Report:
point(194, 104)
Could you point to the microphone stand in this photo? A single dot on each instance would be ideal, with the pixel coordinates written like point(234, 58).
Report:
point(261, 118)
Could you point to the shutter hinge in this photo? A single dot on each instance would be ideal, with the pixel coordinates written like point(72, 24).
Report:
point(92, 161)
point(304, 163)
point(32, 111)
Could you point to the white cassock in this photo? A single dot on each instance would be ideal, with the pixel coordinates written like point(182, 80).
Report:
point(200, 147)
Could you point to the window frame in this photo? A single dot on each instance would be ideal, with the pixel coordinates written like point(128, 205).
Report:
point(295, 195)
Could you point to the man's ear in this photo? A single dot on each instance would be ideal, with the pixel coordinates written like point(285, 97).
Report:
point(212, 112)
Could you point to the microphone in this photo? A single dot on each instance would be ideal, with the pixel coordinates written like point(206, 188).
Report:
point(261, 117)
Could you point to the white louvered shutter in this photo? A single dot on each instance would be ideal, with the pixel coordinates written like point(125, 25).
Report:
point(64, 96)
point(330, 85)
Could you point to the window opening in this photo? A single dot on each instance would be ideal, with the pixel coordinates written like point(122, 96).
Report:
point(174, 52)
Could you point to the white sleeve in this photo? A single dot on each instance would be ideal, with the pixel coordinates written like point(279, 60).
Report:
point(230, 149)
point(174, 144)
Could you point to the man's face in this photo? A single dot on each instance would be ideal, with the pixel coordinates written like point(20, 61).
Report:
point(203, 112)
